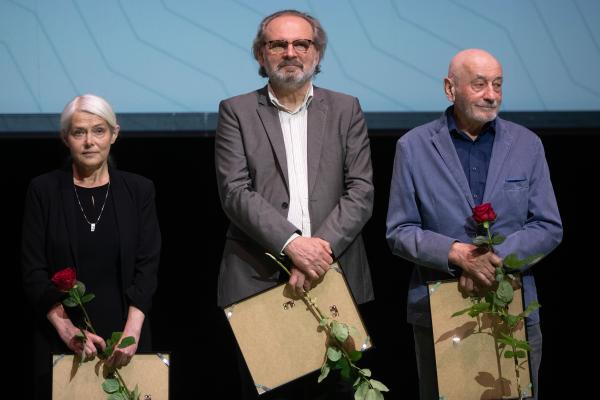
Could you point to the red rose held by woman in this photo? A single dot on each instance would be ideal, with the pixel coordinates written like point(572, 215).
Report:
point(65, 279)
point(483, 213)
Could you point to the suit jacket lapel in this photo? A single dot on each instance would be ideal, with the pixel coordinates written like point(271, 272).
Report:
point(270, 119)
point(502, 142)
point(66, 194)
point(445, 147)
point(317, 116)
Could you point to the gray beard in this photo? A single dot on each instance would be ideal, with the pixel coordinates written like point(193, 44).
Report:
point(294, 81)
point(289, 82)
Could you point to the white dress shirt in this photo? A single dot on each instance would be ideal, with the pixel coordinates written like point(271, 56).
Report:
point(294, 128)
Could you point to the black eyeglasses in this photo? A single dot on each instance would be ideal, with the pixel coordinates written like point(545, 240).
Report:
point(280, 46)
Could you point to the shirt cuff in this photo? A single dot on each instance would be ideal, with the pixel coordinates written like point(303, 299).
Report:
point(294, 236)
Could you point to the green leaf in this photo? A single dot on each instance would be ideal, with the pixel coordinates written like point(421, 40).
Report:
point(117, 396)
point(128, 341)
point(513, 342)
point(480, 240)
point(531, 307)
point(361, 392)
point(374, 394)
point(110, 385)
point(507, 341)
point(497, 239)
point(505, 292)
point(511, 261)
point(111, 343)
point(520, 354)
point(461, 312)
point(355, 355)
point(508, 354)
point(333, 353)
point(135, 395)
point(478, 308)
point(512, 320)
point(497, 304)
point(115, 337)
point(80, 287)
point(88, 297)
point(346, 370)
point(474, 310)
point(379, 386)
point(324, 372)
point(340, 331)
point(69, 302)
point(365, 372)
point(323, 322)
point(523, 345)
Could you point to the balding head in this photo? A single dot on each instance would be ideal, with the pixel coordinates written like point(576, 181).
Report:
point(472, 59)
point(474, 85)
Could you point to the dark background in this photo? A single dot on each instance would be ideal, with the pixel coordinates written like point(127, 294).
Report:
point(187, 323)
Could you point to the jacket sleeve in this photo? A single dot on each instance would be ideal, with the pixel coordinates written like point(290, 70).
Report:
point(38, 287)
point(405, 235)
point(245, 207)
point(355, 206)
point(147, 256)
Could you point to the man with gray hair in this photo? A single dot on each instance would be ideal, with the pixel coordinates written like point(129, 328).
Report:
point(293, 168)
point(443, 170)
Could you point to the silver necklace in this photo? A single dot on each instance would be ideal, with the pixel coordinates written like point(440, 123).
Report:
point(92, 224)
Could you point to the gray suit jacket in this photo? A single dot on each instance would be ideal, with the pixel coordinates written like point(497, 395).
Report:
point(252, 178)
point(430, 205)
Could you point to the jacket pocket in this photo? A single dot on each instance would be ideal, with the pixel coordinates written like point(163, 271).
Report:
point(516, 192)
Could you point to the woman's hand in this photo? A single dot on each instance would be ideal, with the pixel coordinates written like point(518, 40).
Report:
point(70, 334)
point(133, 327)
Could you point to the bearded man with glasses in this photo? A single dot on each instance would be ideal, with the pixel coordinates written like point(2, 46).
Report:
point(294, 173)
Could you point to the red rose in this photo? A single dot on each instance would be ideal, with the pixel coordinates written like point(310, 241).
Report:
point(484, 213)
point(65, 279)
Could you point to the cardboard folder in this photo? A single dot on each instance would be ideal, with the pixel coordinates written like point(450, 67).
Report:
point(70, 380)
point(280, 337)
point(468, 366)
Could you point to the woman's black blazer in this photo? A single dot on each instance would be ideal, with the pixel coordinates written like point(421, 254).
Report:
point(50, 237)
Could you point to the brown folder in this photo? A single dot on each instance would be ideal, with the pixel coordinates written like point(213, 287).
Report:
point(468, 367)
point(73, 381)
point(280, 337)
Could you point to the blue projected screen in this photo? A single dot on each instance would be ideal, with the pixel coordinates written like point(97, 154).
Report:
point(156, 56)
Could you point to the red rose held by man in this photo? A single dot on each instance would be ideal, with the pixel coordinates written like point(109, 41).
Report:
point(484, 213)
point(65, 279)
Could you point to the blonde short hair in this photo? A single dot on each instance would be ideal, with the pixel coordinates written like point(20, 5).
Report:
point(89, 103)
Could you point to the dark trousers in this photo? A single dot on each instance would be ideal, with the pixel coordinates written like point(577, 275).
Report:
point(424, 350)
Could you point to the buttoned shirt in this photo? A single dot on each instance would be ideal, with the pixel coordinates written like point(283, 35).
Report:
point(294, 128)
point(474, 155)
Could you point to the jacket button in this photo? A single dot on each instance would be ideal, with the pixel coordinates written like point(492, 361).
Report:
point(284, 205)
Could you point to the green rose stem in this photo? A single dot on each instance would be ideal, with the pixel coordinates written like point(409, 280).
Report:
point(495, 303)
point(305, 297)
point(486, 225)
point(363, 374)
point(88, 323)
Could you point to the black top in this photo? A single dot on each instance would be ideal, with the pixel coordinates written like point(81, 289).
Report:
point(98, 258)
point(51, 242)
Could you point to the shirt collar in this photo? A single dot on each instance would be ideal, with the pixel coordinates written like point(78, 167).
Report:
point(452, 128)
point(307, 99)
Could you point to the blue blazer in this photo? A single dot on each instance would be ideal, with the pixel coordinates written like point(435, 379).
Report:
point(431, 205)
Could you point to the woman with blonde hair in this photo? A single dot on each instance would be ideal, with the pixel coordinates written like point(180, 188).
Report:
point(100, 221)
